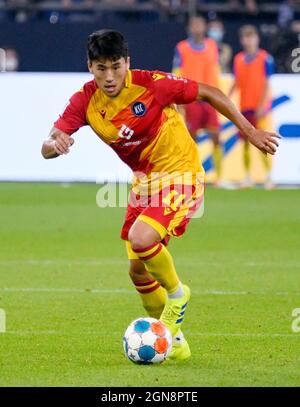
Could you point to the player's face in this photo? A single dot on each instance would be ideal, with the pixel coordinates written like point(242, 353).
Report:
point(110, 75)
point(250, 43)
point(197, 27)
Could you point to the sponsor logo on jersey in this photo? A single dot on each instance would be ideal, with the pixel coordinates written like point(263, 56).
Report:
point(126, 132)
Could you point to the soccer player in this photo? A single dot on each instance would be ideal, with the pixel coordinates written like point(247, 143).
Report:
point(252, 69)
point(133, 112)
point(216, 31)
point(197, 58)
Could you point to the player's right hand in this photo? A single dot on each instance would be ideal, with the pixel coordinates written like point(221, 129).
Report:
point(62, 143)
point(265, 141)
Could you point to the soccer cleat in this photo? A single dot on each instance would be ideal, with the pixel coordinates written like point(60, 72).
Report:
point(247, 183)
point(268, 185)
point(173, 313)
point(180, 348)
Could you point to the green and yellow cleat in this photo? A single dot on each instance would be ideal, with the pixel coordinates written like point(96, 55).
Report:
point(173, 313)
point(180, 349)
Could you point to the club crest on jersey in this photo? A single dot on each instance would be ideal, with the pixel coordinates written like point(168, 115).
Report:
point(138, 109)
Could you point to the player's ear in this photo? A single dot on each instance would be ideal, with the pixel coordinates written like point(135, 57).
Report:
point(128, 62)
point(89, 64)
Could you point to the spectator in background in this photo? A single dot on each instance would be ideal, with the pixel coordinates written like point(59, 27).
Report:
point(2, 60)
point(3, 13)
point(119, 2)
point(197, 58)
point(251, 5)
point(252, 69)
point(282, 44)
point(172, 7)
point(22, 12)
point(285, 13)
point(295, 27)
point(69, 10)
point(85, 14)
point(9, 59)
point(216, 31)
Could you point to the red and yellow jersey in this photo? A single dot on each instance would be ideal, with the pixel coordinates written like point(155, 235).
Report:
point(251, 74)
point(199, 62)
point(141, 124)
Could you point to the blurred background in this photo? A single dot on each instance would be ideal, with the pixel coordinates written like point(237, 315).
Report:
point(48, 36)
point(43, 61)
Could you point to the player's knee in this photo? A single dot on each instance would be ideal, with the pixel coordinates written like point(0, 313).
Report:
point(142, 238)
point(138, 242)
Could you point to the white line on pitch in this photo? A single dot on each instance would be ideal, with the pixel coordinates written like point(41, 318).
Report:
point(67, 290)
point(270, 264)
point(110, 261)
point(54, 262)
point(249, 335)
point(204, 334)
point(278, 265)
point(132, 291)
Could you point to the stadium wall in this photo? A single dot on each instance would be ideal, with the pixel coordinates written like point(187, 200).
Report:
point(44, 47)
point(31, 102)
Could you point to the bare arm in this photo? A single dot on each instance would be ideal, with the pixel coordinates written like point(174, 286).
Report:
point(232, 89)
point(56, 144)
point(181, 110)
point(263, 140)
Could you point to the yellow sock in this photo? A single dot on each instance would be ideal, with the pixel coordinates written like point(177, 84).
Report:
point(159, 263)
point(153, 297)
point(217, 155)
point(267, 162)
point(247, 157)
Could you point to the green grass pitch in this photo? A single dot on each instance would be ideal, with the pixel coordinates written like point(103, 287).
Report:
point(68, 298)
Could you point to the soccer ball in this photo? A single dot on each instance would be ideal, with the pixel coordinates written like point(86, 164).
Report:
point(147, 341)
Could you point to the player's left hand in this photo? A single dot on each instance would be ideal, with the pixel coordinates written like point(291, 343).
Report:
point(265, 141)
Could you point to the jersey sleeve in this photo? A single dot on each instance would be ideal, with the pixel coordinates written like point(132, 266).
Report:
point(269, 65)
point(74, 115)
point(171, 89)
point(177, 62)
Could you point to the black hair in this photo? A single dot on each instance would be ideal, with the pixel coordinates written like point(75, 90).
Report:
point(248, 29)
point(106, 44)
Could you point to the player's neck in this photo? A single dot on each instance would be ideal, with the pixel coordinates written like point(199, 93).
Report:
point(251, 52)
point(198, 40)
